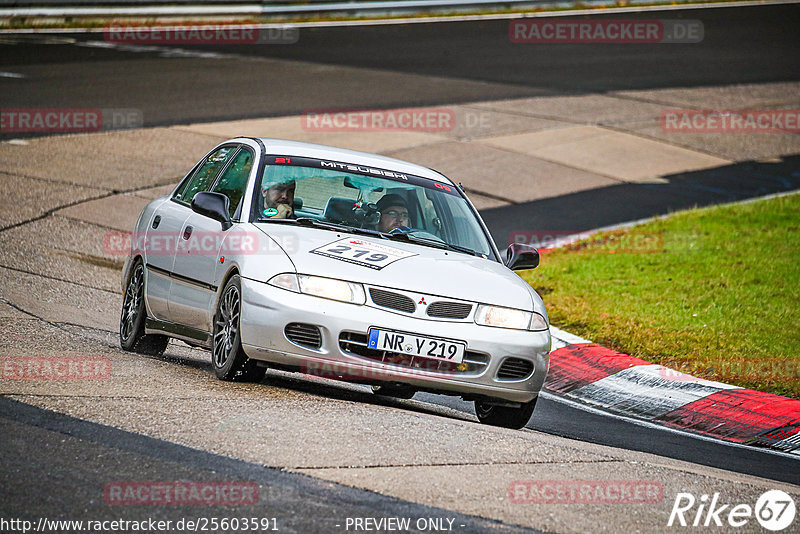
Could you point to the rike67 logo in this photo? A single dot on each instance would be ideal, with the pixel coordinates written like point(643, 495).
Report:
point(774, 510)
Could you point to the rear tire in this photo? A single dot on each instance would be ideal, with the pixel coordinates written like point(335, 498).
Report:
point(504, 416)
point(227, 356)
point(134, 314)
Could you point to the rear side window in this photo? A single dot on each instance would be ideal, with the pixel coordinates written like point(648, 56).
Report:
point(233, 181)
point(205, 174)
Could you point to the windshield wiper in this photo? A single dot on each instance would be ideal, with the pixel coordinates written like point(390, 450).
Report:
point(411, 238)
point(465, 250)
point(308, 221)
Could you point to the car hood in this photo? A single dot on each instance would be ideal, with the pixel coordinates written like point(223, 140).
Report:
point(428, 270)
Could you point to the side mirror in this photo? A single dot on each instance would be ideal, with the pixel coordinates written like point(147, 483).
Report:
point(213, 205)
point(520, 256)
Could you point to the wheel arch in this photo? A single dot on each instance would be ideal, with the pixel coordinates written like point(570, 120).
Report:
point(232, 270)
point(138, 258)
point(126, 269)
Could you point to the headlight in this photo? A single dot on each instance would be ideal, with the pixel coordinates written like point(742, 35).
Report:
point(538, 322)
point(285, 281)
point(509, 318)
point(327, 288)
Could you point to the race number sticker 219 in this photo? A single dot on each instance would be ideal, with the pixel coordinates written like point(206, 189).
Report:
point(360, 252)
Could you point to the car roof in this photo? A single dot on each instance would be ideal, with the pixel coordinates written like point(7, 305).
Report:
point(312, 150)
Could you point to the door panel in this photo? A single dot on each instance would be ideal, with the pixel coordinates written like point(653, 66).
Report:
point(193, 290)
point(160, 240)
point(189, 290)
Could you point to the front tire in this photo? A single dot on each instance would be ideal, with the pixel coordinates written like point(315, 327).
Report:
point(229, 360)
point(505, 416)
point(132, 319)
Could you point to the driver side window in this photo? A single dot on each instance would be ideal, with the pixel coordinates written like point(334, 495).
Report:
point(233, 181)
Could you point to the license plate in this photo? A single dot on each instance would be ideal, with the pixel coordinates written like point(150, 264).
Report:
point(426, 347)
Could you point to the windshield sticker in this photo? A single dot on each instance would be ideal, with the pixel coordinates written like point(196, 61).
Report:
point(361, 252)
point(361, 169)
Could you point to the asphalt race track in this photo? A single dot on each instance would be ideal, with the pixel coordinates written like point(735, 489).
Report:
point(62, 448)
point(426, 64)
point(52, 459)
point(390, 66)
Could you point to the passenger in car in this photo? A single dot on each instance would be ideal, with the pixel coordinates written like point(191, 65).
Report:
point(394, 213)
point(278, 200)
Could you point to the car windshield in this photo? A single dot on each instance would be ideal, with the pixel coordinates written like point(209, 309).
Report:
point(398, 206)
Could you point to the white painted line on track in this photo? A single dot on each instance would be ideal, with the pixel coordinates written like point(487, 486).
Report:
point(11, 75)
point(566, 338)
point(163, 51)
point(630, 224)
point(793, 441)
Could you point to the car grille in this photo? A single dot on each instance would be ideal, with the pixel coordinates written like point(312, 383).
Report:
point(395, 301)
point(305, 335)
point(356, 344)
point(449, 310)
point(515, 369)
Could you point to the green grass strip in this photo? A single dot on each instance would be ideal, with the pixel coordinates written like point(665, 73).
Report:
point(714, 292)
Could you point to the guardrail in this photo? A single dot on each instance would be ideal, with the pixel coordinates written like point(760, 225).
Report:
point(171, 9)
point(132, 8)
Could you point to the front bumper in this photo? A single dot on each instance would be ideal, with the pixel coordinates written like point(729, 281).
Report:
point(266, 310)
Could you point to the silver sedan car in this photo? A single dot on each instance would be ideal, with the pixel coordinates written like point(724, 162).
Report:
point(337, 264)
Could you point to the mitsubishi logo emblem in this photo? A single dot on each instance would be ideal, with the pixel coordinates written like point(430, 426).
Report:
point(422, 301)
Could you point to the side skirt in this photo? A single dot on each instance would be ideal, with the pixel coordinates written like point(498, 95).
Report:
point(192, 336)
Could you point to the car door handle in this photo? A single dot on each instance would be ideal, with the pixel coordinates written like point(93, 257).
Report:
point(187, 233)
point(156, 221)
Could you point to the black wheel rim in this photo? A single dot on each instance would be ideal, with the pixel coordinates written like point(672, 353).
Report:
point(226, 326)
point(130, 305)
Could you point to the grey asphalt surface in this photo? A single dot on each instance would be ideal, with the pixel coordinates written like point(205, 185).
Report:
point(50, 452)
point(54, 456)
point(390, 66)
point(429, 64)
point(559, 419)
point(615, 204)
